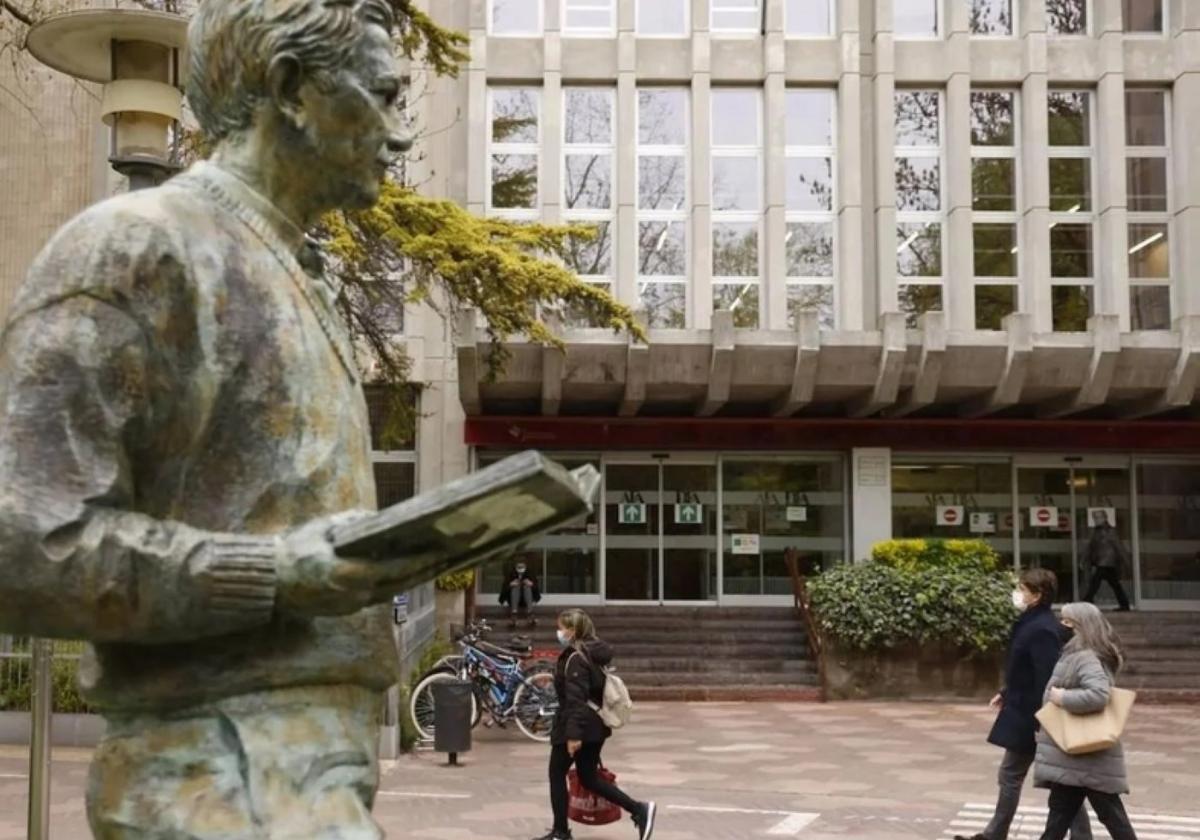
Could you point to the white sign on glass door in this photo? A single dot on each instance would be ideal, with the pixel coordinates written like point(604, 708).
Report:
point(983, 523)
point(797, 513)
point(1096, 515)
point(1043, 517)
point(950, 516)
point(745, 544)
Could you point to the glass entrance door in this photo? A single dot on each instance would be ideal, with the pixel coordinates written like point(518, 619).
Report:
point(660, 521)
point(1058, 508)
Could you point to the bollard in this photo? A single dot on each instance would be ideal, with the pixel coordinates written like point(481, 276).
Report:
point(452, 718)
point(39, 739)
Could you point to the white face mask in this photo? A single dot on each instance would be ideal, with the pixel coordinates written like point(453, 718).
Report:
point(564, 638)
point(1018, 599)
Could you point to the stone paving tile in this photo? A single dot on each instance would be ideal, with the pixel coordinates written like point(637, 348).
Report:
point(872, 772)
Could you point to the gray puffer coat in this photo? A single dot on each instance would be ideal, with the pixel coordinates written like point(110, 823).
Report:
point(1086, 684)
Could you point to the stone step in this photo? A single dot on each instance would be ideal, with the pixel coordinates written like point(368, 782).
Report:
point(726, 694)
point(685, 678)
point(1160, 681)
point(707, 649)
point(1166, 667)
point(707, 665)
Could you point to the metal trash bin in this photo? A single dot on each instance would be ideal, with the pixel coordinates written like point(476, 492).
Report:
point(452, 718)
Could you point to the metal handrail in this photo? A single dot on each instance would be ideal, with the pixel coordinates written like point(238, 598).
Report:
point(803, 605)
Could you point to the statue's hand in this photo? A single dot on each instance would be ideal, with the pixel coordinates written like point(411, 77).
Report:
point(312, 580)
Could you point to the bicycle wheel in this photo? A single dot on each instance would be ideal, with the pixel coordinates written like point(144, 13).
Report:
point(420, 705)
point(534, 706)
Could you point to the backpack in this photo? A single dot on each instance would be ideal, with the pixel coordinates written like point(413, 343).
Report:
point(616, 707)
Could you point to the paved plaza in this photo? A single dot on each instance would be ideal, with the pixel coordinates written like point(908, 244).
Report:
point(738, 771)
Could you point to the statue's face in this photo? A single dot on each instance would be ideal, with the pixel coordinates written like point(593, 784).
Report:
point(353, 124)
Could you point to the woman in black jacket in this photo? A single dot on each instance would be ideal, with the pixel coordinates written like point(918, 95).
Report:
point(578, 734)
point(1032, 654)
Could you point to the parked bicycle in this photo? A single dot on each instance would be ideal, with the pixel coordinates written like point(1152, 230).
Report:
point(509, 683)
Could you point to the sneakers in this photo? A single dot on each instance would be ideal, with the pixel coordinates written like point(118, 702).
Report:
point(555, 835)
point(644, 820)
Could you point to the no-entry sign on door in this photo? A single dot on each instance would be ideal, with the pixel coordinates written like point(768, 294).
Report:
point(1043, 517)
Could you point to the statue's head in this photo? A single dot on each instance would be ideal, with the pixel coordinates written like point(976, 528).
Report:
point(321, 74)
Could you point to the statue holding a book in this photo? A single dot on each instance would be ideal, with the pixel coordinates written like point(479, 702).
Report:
point(184, 442)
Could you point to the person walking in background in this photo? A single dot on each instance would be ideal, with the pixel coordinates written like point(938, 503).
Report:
point(1106, 555)
point(520, 592)
point(1081, 684)
point(578, 733)
point(1033, 651)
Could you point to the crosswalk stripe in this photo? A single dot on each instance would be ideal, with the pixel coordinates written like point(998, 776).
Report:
point(1031, 820)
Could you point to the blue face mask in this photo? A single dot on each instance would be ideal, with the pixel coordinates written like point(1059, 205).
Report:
point(564, 638)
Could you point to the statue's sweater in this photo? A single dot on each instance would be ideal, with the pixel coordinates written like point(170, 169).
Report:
point(175, 390)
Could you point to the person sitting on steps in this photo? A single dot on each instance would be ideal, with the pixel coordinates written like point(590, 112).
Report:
point(520, 592)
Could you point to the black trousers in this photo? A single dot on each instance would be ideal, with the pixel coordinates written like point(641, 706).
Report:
point(1107, 573)
point(520, 599)
point(587, 762)
point(1065, 802)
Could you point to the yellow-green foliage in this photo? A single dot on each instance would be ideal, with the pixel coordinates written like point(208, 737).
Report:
point(456, 582)
point(914, 555)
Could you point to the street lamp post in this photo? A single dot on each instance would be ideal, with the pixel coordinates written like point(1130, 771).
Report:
point(135, 54)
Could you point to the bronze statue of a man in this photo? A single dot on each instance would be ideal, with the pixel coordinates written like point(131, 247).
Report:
point(181, 422)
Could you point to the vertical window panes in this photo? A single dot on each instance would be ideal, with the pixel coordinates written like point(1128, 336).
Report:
point(791, 504)
point(810, 203)
point(994, 206)
point(736, 202)
point(516, 17)
point(664, 18)
point(1169, 530)
point(808, 18)
point(1143, 15)
point(589, 17)
point(737, 16)
point(920, 487)
point(915, 18)
point(513, 151)
point(1147, 184)
point(991, 17)
point(918, 157)
point(588, 182)
point(662, 188)
point(1067, 17)
point(1072, 218)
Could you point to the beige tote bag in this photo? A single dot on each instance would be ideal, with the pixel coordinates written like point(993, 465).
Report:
point(1082, 734)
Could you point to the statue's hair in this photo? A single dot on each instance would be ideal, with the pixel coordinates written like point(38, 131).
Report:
point(232, 43)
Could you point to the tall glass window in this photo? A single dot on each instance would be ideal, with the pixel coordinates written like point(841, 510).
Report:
point(741, 16)
point(811, 203)
point(514, 141)
point(1072, 210)
point(1147, 167)
point(663, 18)
point(736, 202)
point(916, 18)
point(515, 17)
point(588, 131)
point(809, 18)
point(785, 503)
point(938, 498)
point(589, 17)
point(919, 208)
point(1067, 17)
point(994, 206)
point(1168, 497)
point(1144, 16)
point(662, 200)
point(992, 17)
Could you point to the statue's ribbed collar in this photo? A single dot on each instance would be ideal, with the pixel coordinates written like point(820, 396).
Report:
point(290, 234)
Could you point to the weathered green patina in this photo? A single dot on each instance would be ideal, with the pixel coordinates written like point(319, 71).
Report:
point(180, 423)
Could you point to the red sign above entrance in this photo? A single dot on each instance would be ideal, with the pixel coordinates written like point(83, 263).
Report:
point(688, 433)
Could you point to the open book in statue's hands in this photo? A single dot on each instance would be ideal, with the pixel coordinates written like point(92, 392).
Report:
point(472, 518)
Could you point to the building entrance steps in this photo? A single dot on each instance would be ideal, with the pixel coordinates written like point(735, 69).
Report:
point(1162, 651)
point(695, 653)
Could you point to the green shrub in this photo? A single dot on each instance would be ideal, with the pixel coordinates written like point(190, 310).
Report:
point(16, 694)
point(915, 555)
point(456, 581)
point(877, 605)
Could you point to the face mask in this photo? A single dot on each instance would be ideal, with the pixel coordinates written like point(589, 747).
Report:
point(520, 570)
point(1068, 633)
point(1018, 599)
point(564, 638)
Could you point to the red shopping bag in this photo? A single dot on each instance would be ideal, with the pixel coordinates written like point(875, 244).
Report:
point(588, 808)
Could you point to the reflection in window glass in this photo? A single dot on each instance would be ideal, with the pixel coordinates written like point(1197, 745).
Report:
point(808, 17)
point(991, 17)
point(809, 247)
point(662, 117)
point(662, 17)
point(735, 249)
point(1150, 306)
point(994, 184)
point(1142, 15)
point(514, 182)
point(1168, 498)
point(662, 205)
point(802, 296)
point(735, 117)
point(1067, 17)
point(736, 201)
point(918, 298)
point(993, 118)
point(917, 120)
point(1070, 185)
point(919, 251)
point(740, 300)
point(994, 205)
point(585, 17)
point(662, 182)
point(736, 16)
point(918, 200)
point(588, 115)
point(516, 17)
point(994, 303)
point(1146, 183)
point(809, 183)
point(1069, 118)
point(915, 18)
point(1149, 252)
point(920, 487)
point(918, 183)
point(588, 182)
point(810, 202)
point(587, 186)
point(662, 248)
point(514, 115)
point(1071, 250)
point(1072, 306)
point(809, 117)
point(592, 257)
point(995, 250)
point(1145, 117)
point(735, 183)
point(1148, 202)
point(790, 504)
point(665, 304)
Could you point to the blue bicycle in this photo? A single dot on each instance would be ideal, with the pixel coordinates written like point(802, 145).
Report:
point(506, 683)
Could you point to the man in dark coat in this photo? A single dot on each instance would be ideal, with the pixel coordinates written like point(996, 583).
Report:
point(520, 592)
point(1032, 653)
point(1106, 555)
